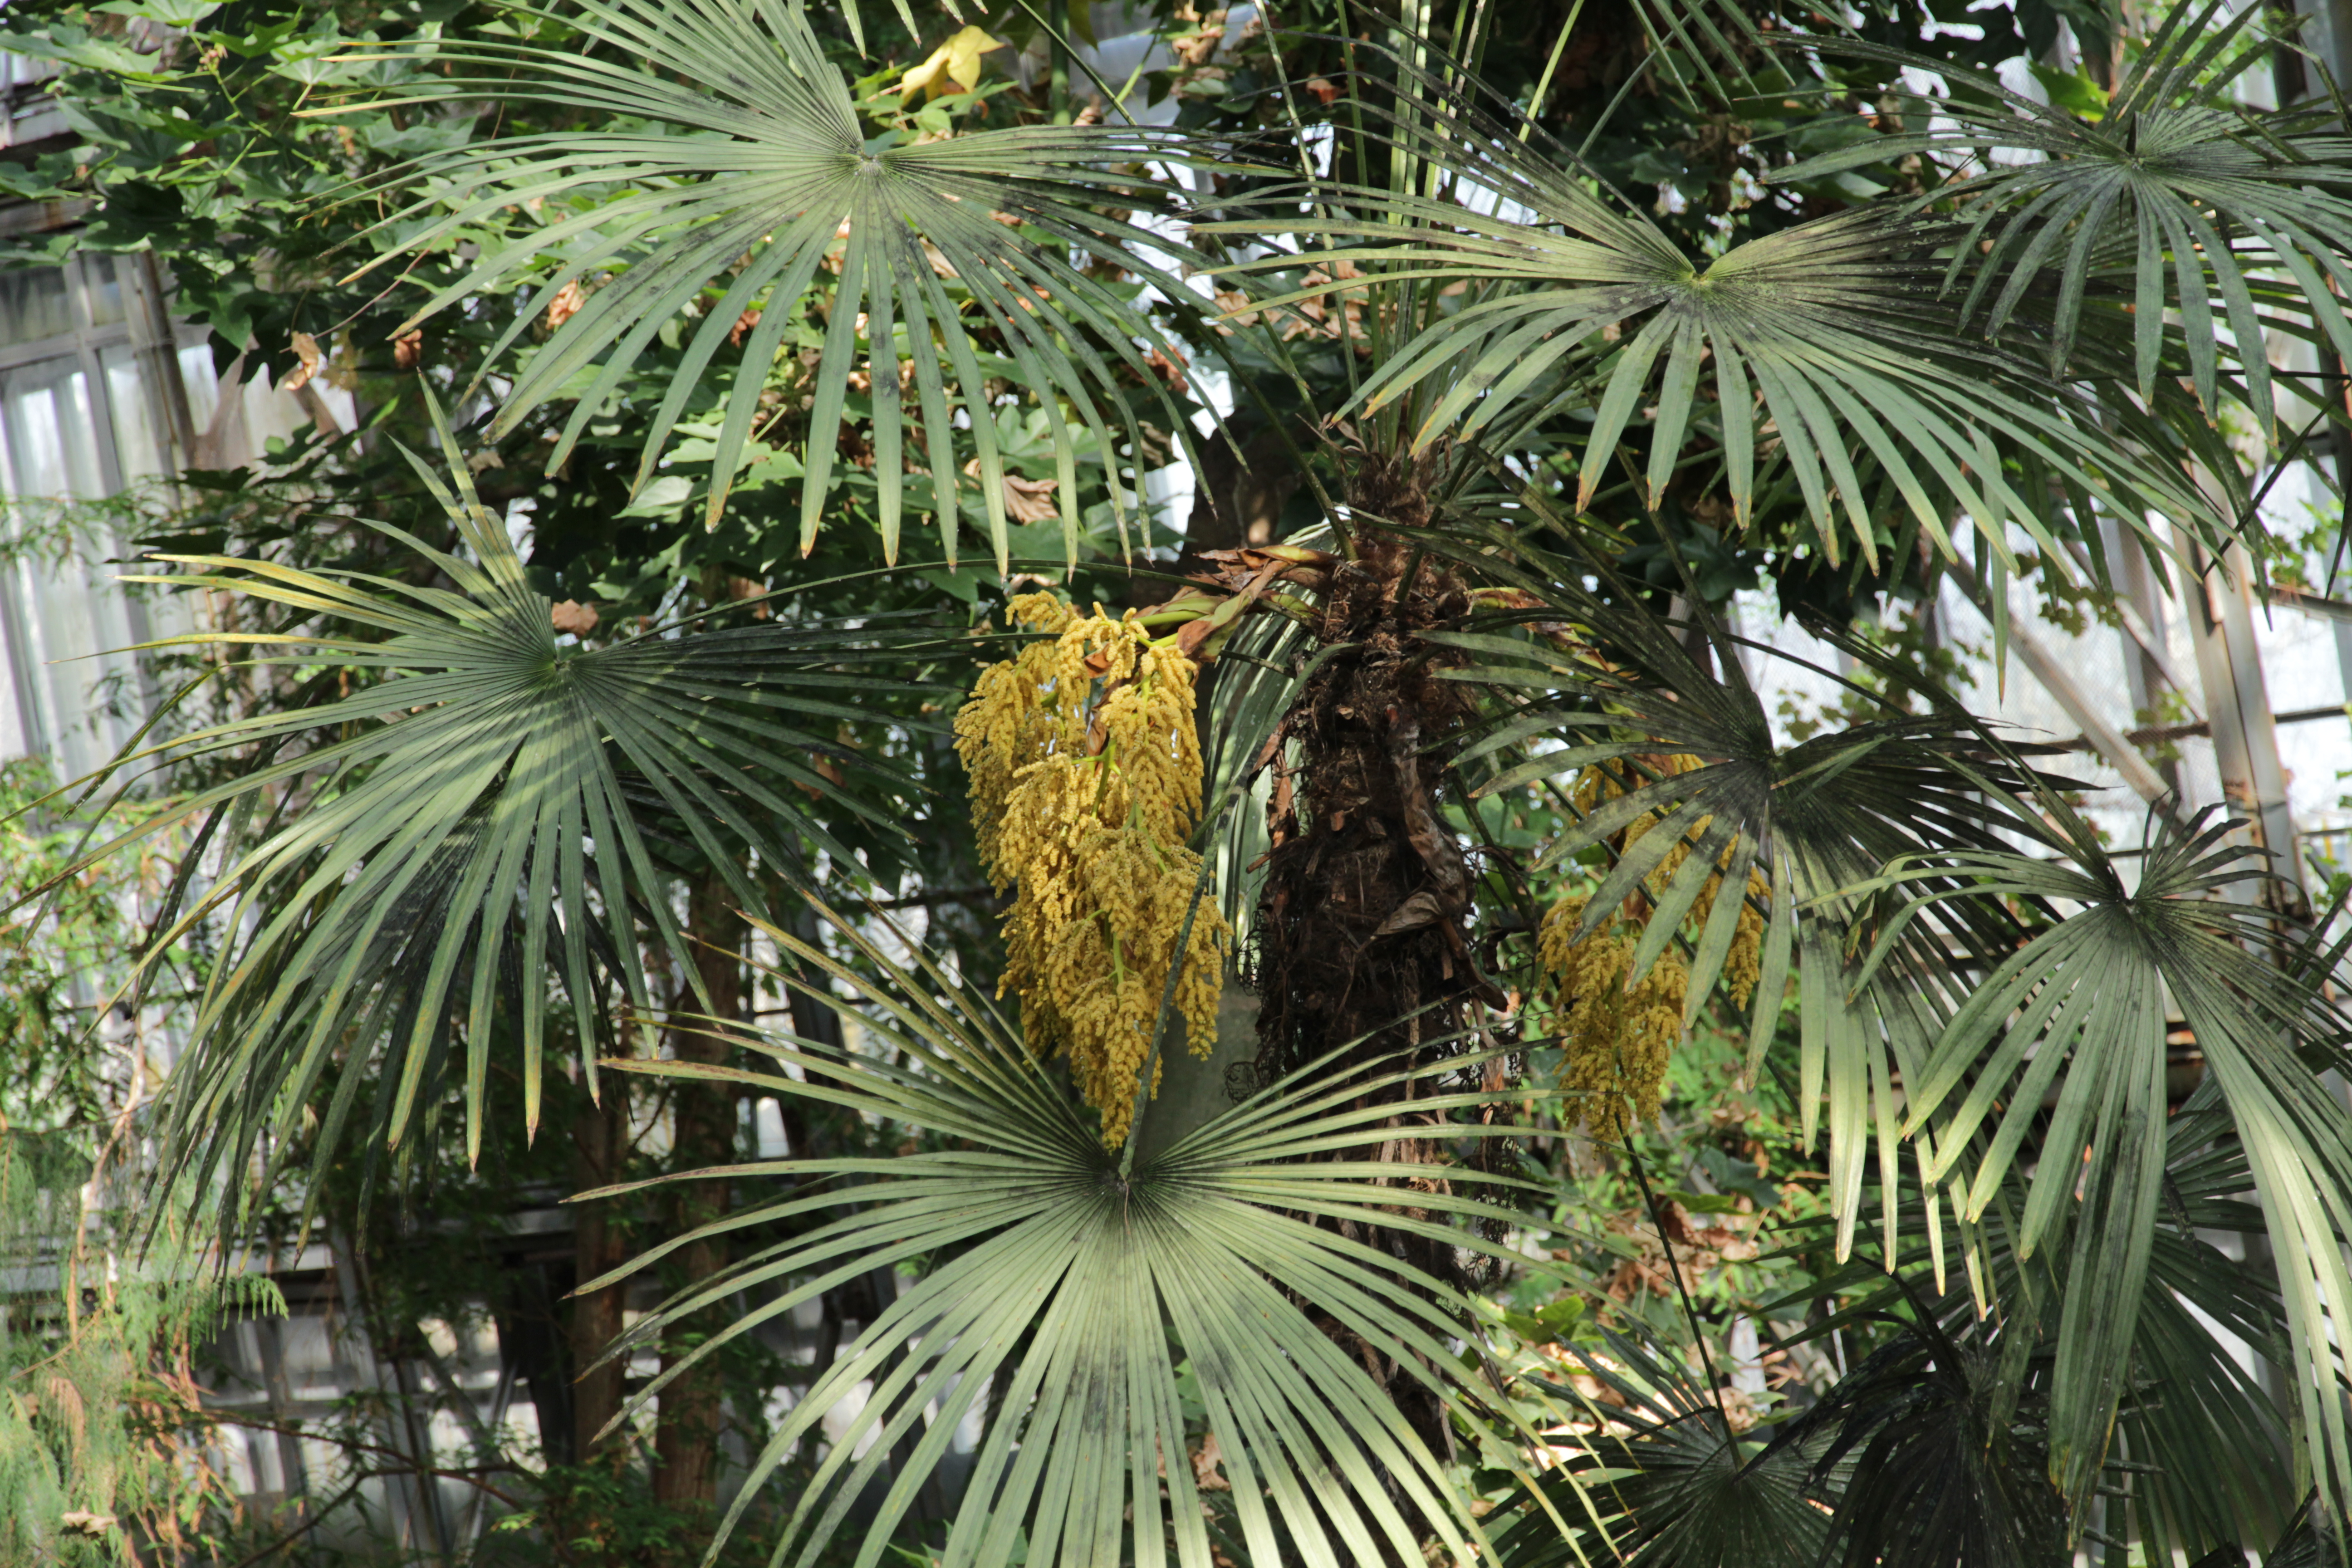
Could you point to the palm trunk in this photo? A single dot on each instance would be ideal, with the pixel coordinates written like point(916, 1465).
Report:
point(599, 1138)
point(1362, 919)
point(686, 1434)
point(1362, 926)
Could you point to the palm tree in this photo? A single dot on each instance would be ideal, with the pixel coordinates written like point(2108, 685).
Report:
point(1495, 377)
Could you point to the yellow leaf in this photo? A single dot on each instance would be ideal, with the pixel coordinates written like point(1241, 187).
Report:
point(956, 61)
point(306, 350)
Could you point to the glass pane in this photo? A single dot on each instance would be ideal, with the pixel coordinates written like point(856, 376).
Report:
point(198, 375)
point(102, 287)
point(70, 616)
point(33, 306)
point(50, 433)
point(135, 445)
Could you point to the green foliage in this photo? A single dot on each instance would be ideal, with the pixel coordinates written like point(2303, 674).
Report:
point(2162, 177)
point(1806, 367)
point(754, 158)
point(436, 852)
point(1091, 1290)
point(106, 1453)
point(63, 958)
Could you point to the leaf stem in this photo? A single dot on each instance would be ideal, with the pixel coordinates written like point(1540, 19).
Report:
point(1681, 1288)
point(1160, 1024)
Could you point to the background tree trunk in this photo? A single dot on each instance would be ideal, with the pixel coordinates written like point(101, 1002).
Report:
point(685, 1433)
point(600, 1136)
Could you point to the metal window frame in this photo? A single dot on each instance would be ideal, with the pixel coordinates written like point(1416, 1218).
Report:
point(86, 344)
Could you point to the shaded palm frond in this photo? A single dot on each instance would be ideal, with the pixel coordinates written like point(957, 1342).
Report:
point(1938, 1465)
point(411, 858)
point(2316, 1541)
point(746, 172)
point(1673, 1485)
point(2198, 1450)
point(1072, 1289)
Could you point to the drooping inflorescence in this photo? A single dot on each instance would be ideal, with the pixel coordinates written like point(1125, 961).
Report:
point(1086, 783)
point(1619, 1038)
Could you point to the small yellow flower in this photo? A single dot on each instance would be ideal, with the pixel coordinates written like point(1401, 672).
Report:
point(957, 61)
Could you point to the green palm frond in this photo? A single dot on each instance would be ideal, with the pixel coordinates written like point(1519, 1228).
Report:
point(409, 856)
point(1072, 1292)
point(2197, 1453)
point(2316, 1541)
point(1937, 1473)
point(1674, 1486)
point(746, 172)
point(2177, 194)
point(1613, 684)
point(2079, 1015)
point(1252, 685)
point(2211, 1438)
point(1816, 362)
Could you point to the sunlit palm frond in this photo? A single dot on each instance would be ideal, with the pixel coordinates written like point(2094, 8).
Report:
point(410, 856)
point(2176, 184)
point(1978, 1012)
point(1818, 357)
point(746, 173)
point(1070, 1291)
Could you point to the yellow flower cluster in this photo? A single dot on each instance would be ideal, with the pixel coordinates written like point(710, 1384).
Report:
point(1086, 783)
point(1619, 1037)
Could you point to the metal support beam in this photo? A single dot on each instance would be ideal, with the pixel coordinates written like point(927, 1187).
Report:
point(2051, 672)
point(2238, 706)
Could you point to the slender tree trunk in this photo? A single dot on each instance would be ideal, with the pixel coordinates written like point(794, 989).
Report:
point(600, 1136)
point(686, 1437)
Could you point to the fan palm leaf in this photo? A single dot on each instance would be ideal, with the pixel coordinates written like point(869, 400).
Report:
point(407, 855)
point(2197, 1451)
point(1931, 1460)
point(2078, 1016)
point(1070, 1286)
point(746, 173)
point(1607, 685)
point(1822, 348)
point(1675, 1486)
point(2175, 190)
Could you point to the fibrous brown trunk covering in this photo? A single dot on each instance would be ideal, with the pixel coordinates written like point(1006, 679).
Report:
point(1361, 932)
